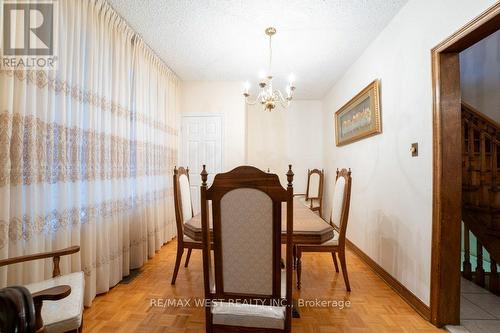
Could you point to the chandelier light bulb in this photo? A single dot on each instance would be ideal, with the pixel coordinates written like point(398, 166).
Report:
point(246, 88)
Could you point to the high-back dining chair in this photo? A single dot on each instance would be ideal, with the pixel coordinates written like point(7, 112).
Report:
point(183, 213)
point(246, 215)
point(338, 219)
point(313, 198)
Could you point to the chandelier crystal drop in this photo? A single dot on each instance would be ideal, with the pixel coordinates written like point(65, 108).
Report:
point(268, 96)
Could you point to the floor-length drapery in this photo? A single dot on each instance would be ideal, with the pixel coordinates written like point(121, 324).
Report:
point(86, 152)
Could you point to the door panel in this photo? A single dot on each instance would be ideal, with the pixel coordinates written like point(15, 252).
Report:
point(201, 144)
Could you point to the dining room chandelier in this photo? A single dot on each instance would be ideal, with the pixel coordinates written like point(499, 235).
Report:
point(268, 96)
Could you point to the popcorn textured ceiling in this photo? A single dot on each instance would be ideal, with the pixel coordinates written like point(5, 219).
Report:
point(223, 40)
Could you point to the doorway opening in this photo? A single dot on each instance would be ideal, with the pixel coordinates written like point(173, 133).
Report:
point(448, 158)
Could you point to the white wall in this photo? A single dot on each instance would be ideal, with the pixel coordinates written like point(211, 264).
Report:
point(480, 76)
point(275, 139)
point(281, 137)
point(391, 207)
point(223, 98)
point(305, 140)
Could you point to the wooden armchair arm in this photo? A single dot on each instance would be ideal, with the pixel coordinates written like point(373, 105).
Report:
point(51, 294)
point(53, 254)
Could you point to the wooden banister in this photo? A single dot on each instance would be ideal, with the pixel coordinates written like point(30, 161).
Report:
point(476, 113)
point(481, 195)
point(479, 278)
point(481, 163)
point(467, 267)
point(494, 282)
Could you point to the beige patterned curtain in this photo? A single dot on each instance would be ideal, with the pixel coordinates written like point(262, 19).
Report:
point(86, 152)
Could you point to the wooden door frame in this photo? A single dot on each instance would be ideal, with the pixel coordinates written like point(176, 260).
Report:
point(447, 166)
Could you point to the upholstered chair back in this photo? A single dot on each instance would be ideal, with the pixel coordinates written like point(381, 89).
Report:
point(341, 202)
point(246, 210)
point(182, 199)
point(314, 184)
point(185, 198)
point(246, 230)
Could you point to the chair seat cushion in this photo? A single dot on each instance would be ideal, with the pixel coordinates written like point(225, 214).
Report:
point(248, 315)
point(307, 203)
point(65, 314)
point(189, 239)
point(332, 242)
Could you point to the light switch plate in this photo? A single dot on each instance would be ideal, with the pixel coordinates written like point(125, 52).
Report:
point(414, 149)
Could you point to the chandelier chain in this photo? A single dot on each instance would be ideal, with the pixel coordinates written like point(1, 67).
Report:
point(270, 54)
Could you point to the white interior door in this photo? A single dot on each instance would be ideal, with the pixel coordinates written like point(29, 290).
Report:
point(201, 144)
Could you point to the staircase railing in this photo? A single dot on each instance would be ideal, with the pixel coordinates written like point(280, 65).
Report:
point(486, 277)
point(481, 195)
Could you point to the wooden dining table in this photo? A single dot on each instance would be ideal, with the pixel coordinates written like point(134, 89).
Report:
point(308, 227)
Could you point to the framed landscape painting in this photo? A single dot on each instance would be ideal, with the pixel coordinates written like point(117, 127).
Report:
point(360, 117)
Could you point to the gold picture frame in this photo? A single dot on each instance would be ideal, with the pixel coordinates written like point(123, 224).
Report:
point(360, 117)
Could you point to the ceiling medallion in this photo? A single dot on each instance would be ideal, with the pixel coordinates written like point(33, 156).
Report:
point(269, 97)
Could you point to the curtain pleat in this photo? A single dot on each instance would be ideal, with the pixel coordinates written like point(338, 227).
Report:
point(86, 153)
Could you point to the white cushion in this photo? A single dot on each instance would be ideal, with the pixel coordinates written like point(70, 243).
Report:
point(185, 192)
point(314, 179)
point(66, 314)
point(338, 200)
point(248, 315)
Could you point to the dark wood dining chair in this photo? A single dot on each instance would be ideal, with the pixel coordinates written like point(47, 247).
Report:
point(183, 213)
point(313, 198)
point(246, 215)
point(338, 219)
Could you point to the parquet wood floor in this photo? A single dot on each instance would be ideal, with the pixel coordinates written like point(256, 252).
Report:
point(374, 307)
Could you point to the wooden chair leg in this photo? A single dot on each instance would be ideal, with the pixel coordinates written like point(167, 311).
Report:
point(344, 270)
point(294, 257)
point(180, 252)
point(335, 263)
point(187, 258)
point(299, 267)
